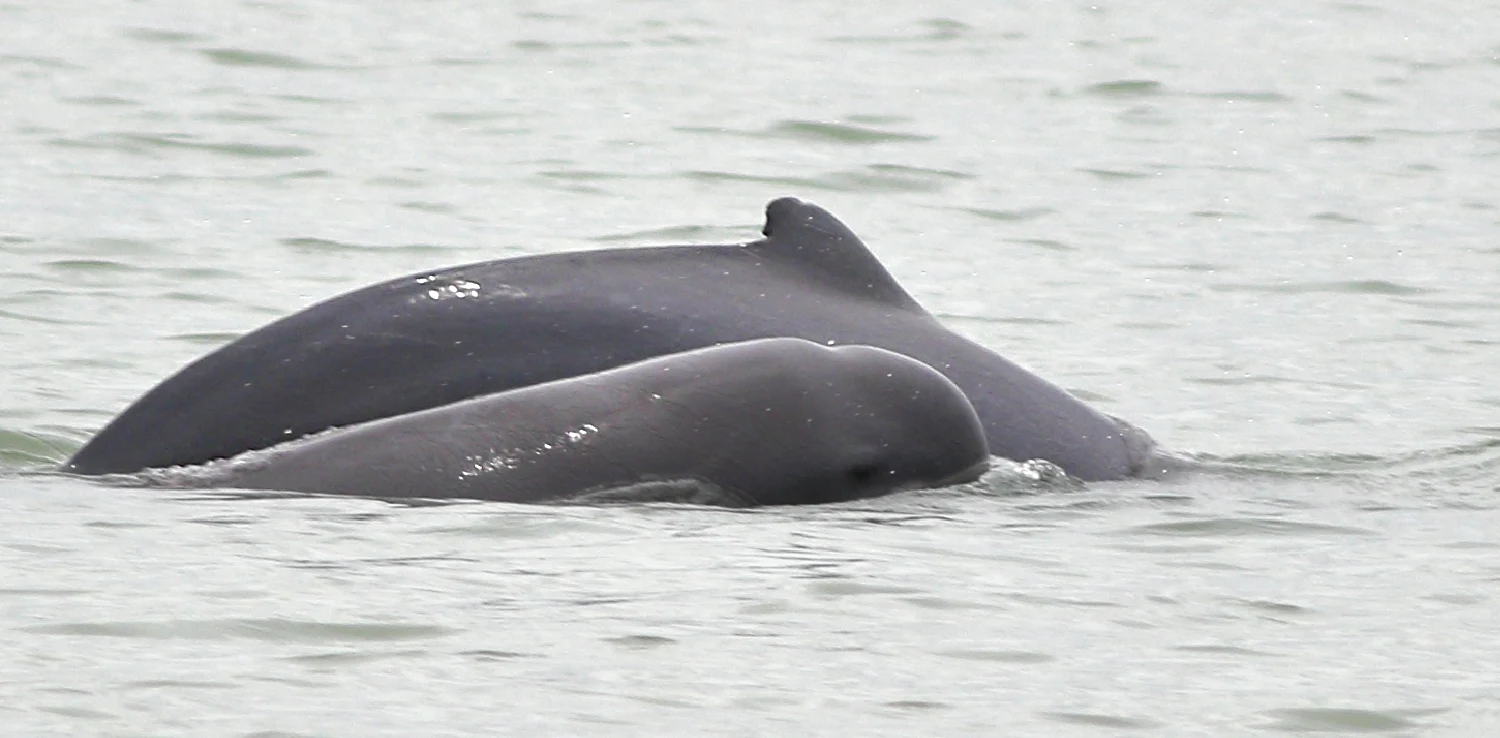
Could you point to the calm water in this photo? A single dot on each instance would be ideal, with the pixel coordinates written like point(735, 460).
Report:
point(1269, 233)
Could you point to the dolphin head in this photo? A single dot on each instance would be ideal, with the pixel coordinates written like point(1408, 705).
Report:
point(855, 422)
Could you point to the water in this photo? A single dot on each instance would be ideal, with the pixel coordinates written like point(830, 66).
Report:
point(1268, 233)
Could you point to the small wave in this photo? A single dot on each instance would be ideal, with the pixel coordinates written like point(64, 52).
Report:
point(1469, 473)
point(1128, 88)
point(325, 245)
point(1007, 477)
point(1117, 174)
point(872, 178)
point(31, 451)
point(42, 320)
point(1018, 215)
point(676, 491)
point(1356, 287)
point(682, 234)
point(844, 133)
point(932, 29)
point(267, 629)
point(1246, 96)
point(1340, 720)
point(150, 143)
point(161, 36)
point(1242, 526)
point(815, 131)
point(244, 58)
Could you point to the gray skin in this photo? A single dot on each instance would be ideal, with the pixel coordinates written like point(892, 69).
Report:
point(777, 421)
point(438, 337)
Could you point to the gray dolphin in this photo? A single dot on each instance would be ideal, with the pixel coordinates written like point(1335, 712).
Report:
point(438, 337)
point(776, 421)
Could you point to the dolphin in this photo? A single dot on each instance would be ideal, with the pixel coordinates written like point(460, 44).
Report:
point(443, 336)
point(774, 421)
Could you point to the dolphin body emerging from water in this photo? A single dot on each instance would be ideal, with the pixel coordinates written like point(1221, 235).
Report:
point(775, 421)
point(439, 337)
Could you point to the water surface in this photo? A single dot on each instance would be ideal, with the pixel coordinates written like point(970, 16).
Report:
point(1267, 233)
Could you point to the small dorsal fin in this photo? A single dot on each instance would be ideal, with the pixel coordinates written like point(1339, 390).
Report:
point(811, 238)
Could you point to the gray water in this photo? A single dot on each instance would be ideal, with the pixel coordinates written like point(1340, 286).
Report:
point(1266, 232)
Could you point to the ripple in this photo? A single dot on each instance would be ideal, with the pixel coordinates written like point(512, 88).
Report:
point(1043, 243)
point(1223, 650)
point(78, 712)
point(1253, 380)
point(984, 319)
point(92, 266)
point(1001, 657)
point(682, 234)
point(243, 58)
point(1235, 527)
point(342, 658)
point(157, 35)
point(1244, 96)
point(42, 592)
point(1070, 602)
point(492, 655)
point(812, 131)
point(530, 527)
point(844, 133)
point(1116, 174)
point(29, 450)
point(544, 46)
point(938, 29)
point(103, 101)
point(43, 62)
point(326, 245)
point(218, 338)
point(1130, 88)
point(41, 320)
point(1328, 216)
point(275, 630)
point(465, 117)
point(39, 549)
point(240, 116)
point(835, 588)
point(175, 684)
point(1174, 550)
point(917, 705)
point(583, 176)
point(944, 603)
point(1101, 721)
point(1455, 304)
point(1332, 720)
point(1010, 216)
point(428, 207)
point(1353, 287)
point(202, 298)
point(873, 178)
point(1197, 267)
point(641, 642)
point(146, 143)
point(1457, 598)
point(456, 61)
point(1271, 607)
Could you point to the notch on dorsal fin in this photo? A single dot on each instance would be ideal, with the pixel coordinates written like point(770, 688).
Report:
point(810, 237)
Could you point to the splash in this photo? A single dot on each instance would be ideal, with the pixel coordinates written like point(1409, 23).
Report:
point(477, 465)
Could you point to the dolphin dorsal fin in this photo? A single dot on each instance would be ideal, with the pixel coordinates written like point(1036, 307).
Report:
point(817, 243)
